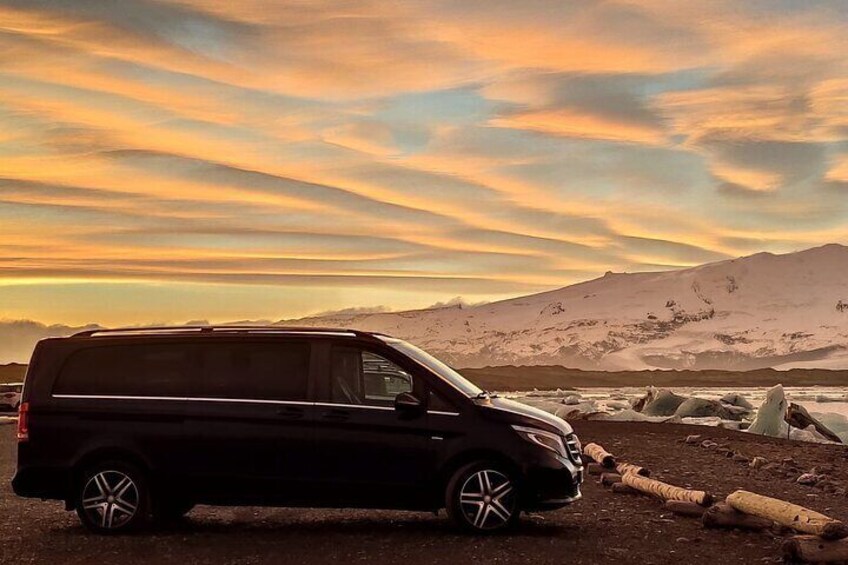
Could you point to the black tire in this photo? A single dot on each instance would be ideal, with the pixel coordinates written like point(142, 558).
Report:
point(483, 498)
point(112, 497)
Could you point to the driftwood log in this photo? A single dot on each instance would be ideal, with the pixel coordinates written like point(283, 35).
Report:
point(797, 416)
point(599, 455)
point(723, 515)
point(621, 488)
point(666, 491)
point(787, 514)
point(609, 479)
point(624, 468)
point(682, 508)
point(813, 549)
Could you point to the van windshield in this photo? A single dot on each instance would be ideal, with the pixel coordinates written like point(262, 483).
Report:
point(443, 370)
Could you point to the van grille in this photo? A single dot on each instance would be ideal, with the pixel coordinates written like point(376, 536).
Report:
point(572, 444)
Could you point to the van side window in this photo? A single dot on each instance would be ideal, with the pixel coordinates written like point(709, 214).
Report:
point(362, 377)
point(254, 370)
point(438, 403)
point(127, 370)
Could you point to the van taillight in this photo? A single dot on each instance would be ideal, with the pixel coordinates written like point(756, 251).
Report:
point(23, 421)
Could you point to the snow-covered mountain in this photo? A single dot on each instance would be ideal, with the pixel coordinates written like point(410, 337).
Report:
point(760, 311)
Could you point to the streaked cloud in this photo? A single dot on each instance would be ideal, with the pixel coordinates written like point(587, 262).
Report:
point(215, 160)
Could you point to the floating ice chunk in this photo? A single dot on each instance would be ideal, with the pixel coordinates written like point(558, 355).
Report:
point(703, 420)
point(770, 416)
point(704, 408)
point(617, 405)
point(631, 415)
point(736, 399)
point(809, 434)
point(565, 412)
point(572, 413)
point(731, 425)
point(664, 403)
point(570, 410)
point(558, 393)
point(837, 423)
point(639, 403)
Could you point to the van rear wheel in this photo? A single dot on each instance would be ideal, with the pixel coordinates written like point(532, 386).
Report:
point(483, 498)
point(113, 497)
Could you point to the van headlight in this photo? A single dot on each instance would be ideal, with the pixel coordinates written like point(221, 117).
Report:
point(544, 439)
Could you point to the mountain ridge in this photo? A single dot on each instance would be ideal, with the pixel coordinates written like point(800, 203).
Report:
point(762, 310)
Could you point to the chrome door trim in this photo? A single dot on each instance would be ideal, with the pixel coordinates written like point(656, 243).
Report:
point(239, 401)
point(250, 401)
point(362, 406)
point(117, 397)
point(182, 398)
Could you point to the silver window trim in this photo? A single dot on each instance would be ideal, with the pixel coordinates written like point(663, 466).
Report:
point(238, 401)
point(248, 400)
point(182, 398)
point(363, 406)
point(116, 397)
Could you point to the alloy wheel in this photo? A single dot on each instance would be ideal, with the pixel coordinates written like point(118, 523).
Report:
point(110, 499)
point(487, 499)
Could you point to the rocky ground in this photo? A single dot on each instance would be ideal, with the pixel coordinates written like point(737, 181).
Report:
point(602, 528)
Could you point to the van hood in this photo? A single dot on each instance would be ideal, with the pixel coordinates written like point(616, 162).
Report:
point(526, 412)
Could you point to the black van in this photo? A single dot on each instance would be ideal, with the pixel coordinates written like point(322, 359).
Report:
point(128, 425)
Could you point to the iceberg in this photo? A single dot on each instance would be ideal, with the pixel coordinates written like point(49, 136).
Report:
point(736, 399)
point(770, 416)
point(664, 403)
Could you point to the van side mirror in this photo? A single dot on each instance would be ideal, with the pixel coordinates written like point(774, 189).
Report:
point(407, 403)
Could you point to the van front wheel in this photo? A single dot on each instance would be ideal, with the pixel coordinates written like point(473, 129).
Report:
point(113, 497)
point(482, 498)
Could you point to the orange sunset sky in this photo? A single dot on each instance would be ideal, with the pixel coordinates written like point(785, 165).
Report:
point(175, 160)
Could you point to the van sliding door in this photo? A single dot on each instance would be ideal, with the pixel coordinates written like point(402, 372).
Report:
point(249, 421)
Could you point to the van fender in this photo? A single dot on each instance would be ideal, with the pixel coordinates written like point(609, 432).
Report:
point(463, 458)
point(100, 451)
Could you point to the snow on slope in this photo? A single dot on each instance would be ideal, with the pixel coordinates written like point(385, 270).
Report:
point(759, 311)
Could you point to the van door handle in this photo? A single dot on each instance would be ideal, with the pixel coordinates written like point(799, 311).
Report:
point(336, 415)
point(290, 413)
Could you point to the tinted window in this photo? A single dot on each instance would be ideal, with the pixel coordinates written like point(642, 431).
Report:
point(446, 372)
point(254, 370)
point(438, 403)
point(362, 377)
point(127, 370)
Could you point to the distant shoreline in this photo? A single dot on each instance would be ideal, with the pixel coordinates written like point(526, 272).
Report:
point(511, 378)
point(13, 372)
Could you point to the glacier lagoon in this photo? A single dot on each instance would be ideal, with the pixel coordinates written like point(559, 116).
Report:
point(827, 404)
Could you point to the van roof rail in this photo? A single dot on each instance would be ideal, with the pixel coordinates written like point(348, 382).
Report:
point(220, 329)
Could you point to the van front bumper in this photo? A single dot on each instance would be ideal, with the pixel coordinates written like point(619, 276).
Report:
point(552, 485)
